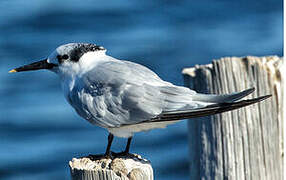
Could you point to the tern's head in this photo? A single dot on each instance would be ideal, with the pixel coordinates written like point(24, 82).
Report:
point(65, 57)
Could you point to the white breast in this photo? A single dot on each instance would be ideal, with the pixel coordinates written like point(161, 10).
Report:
point(128, 130)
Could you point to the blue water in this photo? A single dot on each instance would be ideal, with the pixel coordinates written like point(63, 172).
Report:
point(40, 132)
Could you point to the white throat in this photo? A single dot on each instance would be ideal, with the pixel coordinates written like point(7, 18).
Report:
point(70, 71)
point(88, 61)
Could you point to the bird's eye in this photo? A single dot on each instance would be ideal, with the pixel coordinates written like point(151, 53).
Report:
point(65, 56)
point(62, 58)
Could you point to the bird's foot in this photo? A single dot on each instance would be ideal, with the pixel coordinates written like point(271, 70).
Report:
point(111, 155)
point(94, 157)
point(108, 155)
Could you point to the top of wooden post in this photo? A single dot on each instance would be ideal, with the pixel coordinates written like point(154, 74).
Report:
point(129, 167)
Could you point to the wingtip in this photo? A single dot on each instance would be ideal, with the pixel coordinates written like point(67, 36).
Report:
point(261, 98)
point(250, 90)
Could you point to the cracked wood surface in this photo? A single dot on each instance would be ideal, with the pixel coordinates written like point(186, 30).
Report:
point(98, 167)
point(245, 143)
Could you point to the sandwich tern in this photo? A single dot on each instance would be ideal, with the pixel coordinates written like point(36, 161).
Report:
point(125, 97)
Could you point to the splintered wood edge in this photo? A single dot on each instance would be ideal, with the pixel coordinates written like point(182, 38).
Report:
point(271, 63)
point(274, 65)
point(131, 167)
point(274, 70)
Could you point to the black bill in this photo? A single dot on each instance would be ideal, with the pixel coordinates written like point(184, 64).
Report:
point(34, 66)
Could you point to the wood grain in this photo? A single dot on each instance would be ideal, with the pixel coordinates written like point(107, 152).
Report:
point(245, 143)
point(129, 167)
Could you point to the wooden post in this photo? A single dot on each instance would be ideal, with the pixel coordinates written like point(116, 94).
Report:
point(131, 167)
point(245, 143)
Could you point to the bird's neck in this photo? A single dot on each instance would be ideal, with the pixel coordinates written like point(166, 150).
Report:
point(91, 59)
point(70, 72)
point(87, 62)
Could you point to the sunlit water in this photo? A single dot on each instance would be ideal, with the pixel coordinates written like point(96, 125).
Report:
point(40, 132)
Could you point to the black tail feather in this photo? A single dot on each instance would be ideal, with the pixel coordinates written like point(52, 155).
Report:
point(206, 111)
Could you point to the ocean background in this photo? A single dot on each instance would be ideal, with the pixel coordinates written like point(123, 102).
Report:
point(40, 132)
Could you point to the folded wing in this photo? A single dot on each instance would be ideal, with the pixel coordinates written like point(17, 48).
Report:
point(119, 93)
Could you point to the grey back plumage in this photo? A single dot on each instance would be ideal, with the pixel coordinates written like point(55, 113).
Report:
point(117, 93)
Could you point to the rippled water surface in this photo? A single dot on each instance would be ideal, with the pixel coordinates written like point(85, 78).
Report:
point(40, 132)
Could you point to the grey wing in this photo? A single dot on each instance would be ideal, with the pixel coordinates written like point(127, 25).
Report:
point(120, 93)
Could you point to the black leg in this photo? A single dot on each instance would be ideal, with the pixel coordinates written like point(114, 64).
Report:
point(128, 145)
point(126, 151)
point(110, 139)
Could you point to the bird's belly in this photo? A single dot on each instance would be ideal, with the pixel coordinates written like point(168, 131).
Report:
point(128, 130)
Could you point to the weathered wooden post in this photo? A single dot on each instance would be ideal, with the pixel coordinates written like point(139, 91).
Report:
point(131, 167)
point(245, 143)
